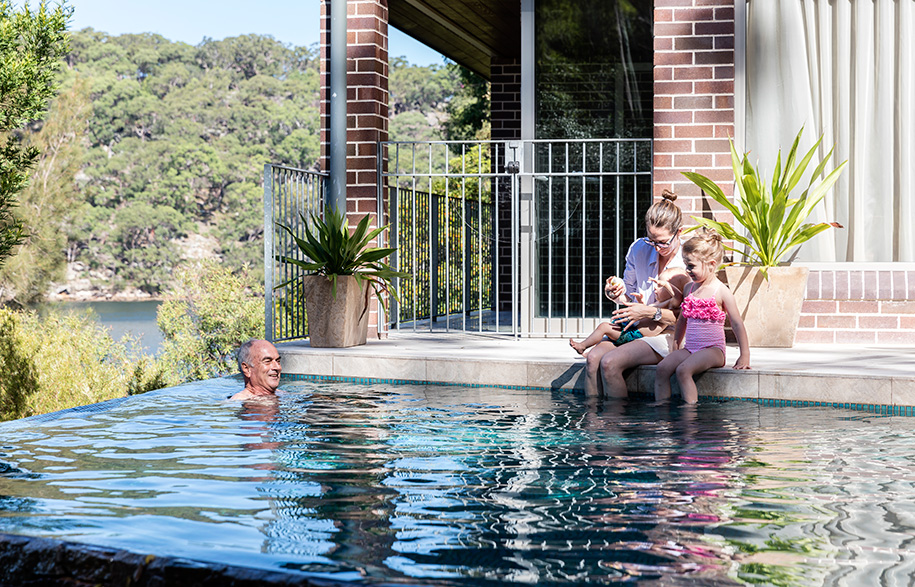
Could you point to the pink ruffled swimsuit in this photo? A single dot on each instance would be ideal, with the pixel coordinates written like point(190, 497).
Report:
point(704, 324)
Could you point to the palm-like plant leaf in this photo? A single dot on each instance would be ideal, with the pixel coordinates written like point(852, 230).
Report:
point(773, 221)
point(330, 249)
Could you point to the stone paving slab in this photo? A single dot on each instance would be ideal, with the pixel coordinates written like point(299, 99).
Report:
point(873, 375)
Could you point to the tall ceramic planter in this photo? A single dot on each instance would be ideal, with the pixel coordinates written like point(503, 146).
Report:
point(336, 322)
point(770, 309)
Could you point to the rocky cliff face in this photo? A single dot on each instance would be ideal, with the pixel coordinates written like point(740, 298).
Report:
point(83, 284)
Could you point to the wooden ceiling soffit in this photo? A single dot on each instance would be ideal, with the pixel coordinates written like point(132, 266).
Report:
point(469, 32)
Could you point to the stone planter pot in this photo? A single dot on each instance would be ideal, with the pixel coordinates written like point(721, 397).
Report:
point(770, 310)
point(336, 322)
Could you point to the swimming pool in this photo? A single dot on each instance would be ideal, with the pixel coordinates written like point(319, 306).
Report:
point(450, 485)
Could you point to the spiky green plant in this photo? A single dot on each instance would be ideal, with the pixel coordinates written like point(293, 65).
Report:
point(774, 222)
point(331, 250)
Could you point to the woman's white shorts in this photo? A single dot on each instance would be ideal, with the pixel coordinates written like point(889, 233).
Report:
point(660, 343)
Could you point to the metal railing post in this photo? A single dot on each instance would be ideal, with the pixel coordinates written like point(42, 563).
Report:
point(433, 262)
point(269, 267)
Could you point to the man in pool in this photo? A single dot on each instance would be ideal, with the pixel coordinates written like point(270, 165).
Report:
point(259, 363)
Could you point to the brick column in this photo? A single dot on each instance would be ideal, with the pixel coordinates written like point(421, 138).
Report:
point(367, 104)
point(693, 99)
point(505, 117)
point(505, 105)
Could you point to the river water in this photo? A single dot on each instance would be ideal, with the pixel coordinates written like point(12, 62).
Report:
point(121, 318)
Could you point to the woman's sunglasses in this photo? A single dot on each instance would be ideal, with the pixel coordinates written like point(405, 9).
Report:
point(659, 244)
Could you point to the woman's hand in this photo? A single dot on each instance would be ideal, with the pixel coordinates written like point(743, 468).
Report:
point(632, 313)
point(614, 288)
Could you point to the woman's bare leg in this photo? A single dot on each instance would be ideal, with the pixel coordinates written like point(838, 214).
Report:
point(652, 329)
point(698, 362)
point(614, 364)
point(592, 367)
point(666, 368)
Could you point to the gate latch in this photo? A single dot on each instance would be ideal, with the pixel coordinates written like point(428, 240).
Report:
point(513, 167)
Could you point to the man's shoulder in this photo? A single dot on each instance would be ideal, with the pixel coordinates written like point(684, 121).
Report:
point(247, 394)
point(243, 394)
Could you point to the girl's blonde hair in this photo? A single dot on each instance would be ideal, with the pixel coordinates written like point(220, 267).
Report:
point(664, 213)
point(706, 245)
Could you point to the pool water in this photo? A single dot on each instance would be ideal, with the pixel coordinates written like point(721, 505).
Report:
point(448, 485)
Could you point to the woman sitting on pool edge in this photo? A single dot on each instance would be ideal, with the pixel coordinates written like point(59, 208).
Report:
point(668, 294)
point(647, 259)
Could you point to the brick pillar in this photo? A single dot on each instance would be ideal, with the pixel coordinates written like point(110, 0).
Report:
point(505, 89)
point(693, 99)
point(367, 104)
point(505, 117)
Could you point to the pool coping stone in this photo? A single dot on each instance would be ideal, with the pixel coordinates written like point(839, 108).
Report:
point(880, 378)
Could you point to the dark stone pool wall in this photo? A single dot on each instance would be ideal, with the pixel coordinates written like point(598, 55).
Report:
point(27, 561)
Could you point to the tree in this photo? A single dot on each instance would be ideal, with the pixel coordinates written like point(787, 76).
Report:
point(32, 43)
point(205, 317)
point(468, 110)
point(46, 205)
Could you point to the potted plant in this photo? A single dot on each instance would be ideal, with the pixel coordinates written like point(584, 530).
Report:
point(342, 269)
point(768, 290)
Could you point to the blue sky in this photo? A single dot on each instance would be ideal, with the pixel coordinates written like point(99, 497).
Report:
point(289, 21)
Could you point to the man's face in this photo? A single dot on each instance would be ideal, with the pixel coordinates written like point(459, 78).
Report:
point(263, 369)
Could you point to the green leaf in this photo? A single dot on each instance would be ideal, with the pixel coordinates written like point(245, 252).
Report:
point(773, 221)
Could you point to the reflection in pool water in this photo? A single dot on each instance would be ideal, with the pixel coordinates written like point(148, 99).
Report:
point(457, 485)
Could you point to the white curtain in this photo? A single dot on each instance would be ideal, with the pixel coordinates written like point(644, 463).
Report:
point(844, 69)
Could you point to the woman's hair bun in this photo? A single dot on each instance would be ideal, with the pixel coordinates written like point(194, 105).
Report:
point(668, 195)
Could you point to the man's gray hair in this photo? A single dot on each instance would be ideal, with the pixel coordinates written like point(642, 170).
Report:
point(244, 353)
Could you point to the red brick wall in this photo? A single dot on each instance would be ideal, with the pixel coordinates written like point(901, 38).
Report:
point(367, 103)
point(505, 92)
point(693, 98)
point(858, 306)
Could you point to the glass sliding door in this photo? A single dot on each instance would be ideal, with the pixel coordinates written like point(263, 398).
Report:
point(593, 63)
point(593, 81)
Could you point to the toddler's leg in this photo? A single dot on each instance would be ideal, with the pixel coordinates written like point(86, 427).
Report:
point(603, 329)
point(698, 362)
point(666, 368)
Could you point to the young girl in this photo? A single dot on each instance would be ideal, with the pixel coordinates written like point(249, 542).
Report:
point(700, 327)
point(668, 294)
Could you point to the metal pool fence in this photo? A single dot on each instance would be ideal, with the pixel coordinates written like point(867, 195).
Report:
point(289, 193)
point(445, 200)
point(511, 237)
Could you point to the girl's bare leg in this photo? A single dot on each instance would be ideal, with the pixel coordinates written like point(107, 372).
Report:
point(698, 362)
point(592, 367)
point(602, 330)
point(614, 364)
point(666, 368)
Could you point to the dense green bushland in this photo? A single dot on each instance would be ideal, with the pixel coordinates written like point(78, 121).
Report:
point(208, 312)
point(176, 141)
point(62, 360)
point(148, 144)
point(153, 145)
